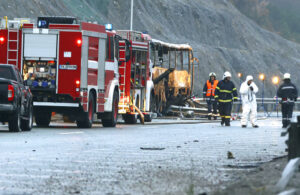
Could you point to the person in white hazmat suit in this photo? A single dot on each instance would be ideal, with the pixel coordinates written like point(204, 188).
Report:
point(248, 90)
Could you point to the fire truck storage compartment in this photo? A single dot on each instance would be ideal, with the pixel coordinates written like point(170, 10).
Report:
point(138, 76)
point(40, 60)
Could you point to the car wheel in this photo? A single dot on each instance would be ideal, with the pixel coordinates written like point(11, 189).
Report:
point(26, 124)
point(14, 124)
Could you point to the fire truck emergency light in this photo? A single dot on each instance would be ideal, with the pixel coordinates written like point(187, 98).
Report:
point(108, 27)
point(79, 42)
point(2, 39)
point(77, 82)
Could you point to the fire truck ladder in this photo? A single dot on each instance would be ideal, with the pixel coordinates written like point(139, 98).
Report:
point(123, 77)
point(12, 46)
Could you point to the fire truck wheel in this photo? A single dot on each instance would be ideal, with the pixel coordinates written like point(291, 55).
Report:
point(14, 124)
point(42, 118)
point(130, 119)
point(111, 119)
point(26, 124)
point(88, 117)
point(147, 118)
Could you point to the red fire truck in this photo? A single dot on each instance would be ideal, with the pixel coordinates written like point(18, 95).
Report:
point(136, 85)
point(70, 67)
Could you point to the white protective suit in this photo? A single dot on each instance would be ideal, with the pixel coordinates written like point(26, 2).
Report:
point(249, 101)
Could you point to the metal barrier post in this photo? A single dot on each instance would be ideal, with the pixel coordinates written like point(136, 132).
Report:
point(293, 141)
point(239, 105)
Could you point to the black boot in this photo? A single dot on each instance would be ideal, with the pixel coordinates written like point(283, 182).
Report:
point(284, 124)
point(223, 121)
point(209, 117)
point(227, 122)
point(215, 118)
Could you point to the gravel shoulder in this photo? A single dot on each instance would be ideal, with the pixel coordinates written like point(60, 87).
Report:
point(262, 180)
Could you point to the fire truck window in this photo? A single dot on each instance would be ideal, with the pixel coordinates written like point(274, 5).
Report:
point(107, 49)
point(133, 64)
point(138, 68)
point(112, 49)
point(127, 52)
point(117, 48)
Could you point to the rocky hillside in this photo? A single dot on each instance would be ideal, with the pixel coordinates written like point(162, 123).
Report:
point(222, 37)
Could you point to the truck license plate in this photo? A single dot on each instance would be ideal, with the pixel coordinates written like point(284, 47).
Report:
point(68, 67)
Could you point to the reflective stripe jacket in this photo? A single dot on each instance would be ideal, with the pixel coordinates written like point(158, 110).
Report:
point(209, 88)
point(226, 91)
point(287, 91)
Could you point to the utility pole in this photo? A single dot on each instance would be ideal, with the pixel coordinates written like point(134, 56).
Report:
point(131, 18)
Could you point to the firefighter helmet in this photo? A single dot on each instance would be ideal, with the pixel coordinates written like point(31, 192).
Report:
point(287, 76)
point(212, 74)
point(226, 74)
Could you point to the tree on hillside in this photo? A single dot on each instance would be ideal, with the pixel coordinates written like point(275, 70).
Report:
point(279, 16)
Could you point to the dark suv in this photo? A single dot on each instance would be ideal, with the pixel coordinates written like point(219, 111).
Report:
point(16, 106)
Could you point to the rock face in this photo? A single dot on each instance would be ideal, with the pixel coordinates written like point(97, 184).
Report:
point(222, 38)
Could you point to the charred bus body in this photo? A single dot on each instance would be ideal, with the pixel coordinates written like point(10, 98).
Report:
point(173, 73)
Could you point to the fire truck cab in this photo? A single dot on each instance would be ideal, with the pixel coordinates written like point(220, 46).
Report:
point(136, 85)
point(71, 68)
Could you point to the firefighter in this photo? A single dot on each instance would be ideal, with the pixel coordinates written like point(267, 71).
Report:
point(248, 90)
point(288, 93)
point(209, 95)
point(225, 94)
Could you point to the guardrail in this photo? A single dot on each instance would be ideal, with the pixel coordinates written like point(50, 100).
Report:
point(257, 99)
point(263, 104)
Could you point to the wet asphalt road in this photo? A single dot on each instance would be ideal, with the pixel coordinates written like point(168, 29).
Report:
point(132, 159)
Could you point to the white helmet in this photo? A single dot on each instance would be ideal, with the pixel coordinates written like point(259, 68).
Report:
point(249, 78)
point(287, 76)
point(226, 74)
point(212, 74)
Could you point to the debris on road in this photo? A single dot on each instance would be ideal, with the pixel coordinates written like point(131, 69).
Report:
point(262, 180)
point(149, 148)
point(230, 155)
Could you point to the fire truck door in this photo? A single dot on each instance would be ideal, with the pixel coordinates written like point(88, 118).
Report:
point(69, 63)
